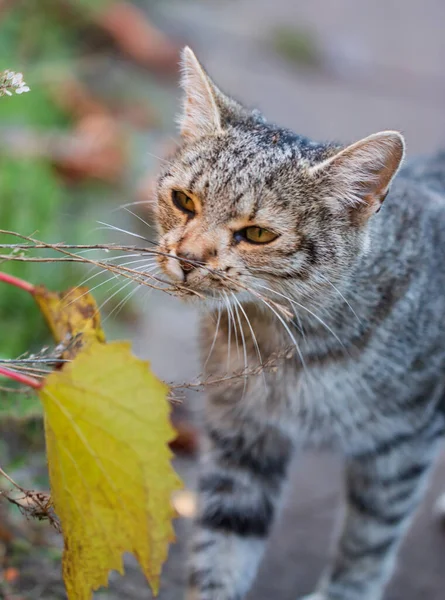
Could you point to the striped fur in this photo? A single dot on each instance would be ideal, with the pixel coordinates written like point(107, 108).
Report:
point(366, 373)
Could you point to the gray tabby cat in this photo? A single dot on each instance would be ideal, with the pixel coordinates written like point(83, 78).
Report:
point(289, 241)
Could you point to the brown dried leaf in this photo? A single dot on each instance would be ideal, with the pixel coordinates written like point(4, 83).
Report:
point(72, 316)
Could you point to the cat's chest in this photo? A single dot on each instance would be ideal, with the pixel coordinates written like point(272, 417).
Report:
point(327, 403)
point(327, 393)
point(321, 389)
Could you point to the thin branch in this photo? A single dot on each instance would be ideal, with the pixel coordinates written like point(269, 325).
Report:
point(270, 364)
point(132, 274)
point(146, 279)
point(142, 279)
point(20, 283)
point(33, 371)
point(32, 504)
point(42, 246)
point(11, 481)
point(12, 390)
point(33, 361)
point(20, 378)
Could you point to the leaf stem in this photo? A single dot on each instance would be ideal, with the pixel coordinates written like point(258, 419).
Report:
point(29, 381)
point(20, 283)
point(6, 476)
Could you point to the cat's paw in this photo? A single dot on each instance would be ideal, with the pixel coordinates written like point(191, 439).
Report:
point(316, 596)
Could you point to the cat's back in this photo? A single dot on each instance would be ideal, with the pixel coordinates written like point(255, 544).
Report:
point(427, 171)
point(407, 262)
point(414, 213)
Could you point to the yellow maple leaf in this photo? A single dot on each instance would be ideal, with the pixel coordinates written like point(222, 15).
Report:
point(107, 431)
point(72, 316)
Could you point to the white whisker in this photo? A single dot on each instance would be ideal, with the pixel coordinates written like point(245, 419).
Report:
point(118, 291)
point(146, 202)
point(299, 323)
point(174, 140)
point(121, 304)
point(125, 285)
point(229, 330)
point(140, 218)
point(244, 345)
point(235, 328)
point(90, 291)
point(289, 332)
point(340, 294)
point(319, 319)
point(101, 272)
point(255, 341)
point(214, 337)
point(114, 228)
point(164, 160)
point(117, 309)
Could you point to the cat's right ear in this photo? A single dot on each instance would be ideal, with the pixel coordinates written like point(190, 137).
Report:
point(361, 174)
point(201, 114)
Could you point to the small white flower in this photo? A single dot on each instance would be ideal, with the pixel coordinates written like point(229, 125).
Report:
point(21, 89)
point(17, 79)
point(12, 82)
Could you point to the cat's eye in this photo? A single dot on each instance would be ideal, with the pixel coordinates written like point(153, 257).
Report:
point(183, 202)
point(256, 235)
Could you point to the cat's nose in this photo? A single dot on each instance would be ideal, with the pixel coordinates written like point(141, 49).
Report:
point(188, 262)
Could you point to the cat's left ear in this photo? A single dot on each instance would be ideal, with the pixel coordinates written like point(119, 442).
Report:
point(361, 174)
point(203, 102)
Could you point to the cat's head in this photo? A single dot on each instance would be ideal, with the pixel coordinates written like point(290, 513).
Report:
point(246, 205)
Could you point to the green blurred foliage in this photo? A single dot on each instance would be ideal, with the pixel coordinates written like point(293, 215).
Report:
point(52, 42)
point(33, 32)
point(297, 45)
point(39, 40)
point(30, 202)
point(31, 195)
point(34, 109)
point(19, 406)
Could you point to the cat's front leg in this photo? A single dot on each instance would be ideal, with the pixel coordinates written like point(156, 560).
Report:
point(383, 489)
point(240, 483)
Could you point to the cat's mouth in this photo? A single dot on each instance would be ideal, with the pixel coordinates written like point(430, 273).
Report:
point(195, 280)
point(208, 287)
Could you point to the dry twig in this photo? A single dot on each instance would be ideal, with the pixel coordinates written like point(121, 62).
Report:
point(32, 504)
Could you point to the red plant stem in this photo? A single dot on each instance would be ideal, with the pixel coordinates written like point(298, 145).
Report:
point(29, 381)
point(20, 283)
